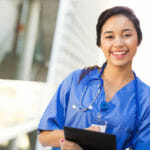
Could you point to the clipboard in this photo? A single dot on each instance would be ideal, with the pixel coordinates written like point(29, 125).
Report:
point(90, 140)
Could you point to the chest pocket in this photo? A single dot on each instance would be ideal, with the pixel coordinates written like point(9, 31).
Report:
point(123, 134)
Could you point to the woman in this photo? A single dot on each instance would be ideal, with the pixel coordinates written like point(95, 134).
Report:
point(111, 93)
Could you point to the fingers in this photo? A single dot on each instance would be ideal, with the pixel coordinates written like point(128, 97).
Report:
point(94, 128)
point(68, 145)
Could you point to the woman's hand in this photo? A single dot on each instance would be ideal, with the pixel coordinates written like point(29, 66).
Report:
point(94, 128)
point(68, 145)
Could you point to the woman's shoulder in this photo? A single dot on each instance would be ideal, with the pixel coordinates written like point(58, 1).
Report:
point(74, 74)
point(144, 92)
point(144, 100)
point(142, 86)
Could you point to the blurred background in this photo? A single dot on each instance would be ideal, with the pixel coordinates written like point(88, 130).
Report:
point(41, 42)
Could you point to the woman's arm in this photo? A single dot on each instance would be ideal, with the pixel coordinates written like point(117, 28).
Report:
point(51, 138)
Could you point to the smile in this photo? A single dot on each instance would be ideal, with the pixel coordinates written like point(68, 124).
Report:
point(119, 54)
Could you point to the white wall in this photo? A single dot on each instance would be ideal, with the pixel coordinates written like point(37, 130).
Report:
point(74, 43)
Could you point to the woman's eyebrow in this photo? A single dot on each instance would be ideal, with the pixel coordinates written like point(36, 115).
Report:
point(108, 32)
point(127, 29)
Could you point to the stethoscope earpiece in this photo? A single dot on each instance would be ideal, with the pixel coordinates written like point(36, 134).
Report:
point(81, 108)
point(90, 107)
point(74, 106)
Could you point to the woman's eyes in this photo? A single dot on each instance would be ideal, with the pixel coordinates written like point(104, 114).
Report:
point(112, 37)
point(109, 37)
point(127, 35)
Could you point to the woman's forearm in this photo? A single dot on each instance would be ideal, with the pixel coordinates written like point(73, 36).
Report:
point(51, 138)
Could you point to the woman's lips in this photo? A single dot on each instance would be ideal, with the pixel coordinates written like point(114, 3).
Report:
point(119, 54)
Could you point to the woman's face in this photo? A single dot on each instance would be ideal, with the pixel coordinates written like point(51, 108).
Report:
point(119, 40)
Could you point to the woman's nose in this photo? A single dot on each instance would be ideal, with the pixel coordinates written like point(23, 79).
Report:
point(118, 42)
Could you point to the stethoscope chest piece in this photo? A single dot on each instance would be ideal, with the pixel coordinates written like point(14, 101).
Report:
point(104, 106)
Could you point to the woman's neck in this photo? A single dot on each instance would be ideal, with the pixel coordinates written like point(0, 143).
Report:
point(118, 75)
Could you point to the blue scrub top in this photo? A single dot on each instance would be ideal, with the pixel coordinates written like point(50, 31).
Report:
point(120, 113)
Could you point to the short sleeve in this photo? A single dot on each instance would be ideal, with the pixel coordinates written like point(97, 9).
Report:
point(142, 137)
point(54, 115)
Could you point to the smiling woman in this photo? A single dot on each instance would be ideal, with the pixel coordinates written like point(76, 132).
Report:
point(119, 43)
point(112, 94)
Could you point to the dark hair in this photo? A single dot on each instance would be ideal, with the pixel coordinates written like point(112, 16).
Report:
point(86, 70)
point(118, 10)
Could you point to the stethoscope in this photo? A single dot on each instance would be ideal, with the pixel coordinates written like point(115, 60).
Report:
point(104, 104)
point(80, 107)
point(90, 106)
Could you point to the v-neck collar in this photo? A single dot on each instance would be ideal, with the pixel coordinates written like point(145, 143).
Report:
point(128, 87)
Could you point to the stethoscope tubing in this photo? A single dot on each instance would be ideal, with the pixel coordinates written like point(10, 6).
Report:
point(81, 108)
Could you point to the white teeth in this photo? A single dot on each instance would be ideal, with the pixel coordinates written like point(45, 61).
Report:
point(119, 53)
